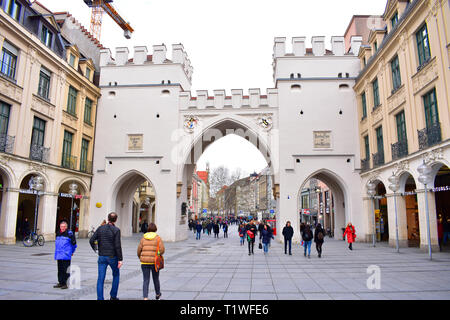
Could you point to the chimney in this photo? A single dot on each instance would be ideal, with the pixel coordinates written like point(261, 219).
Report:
point(121, 56)
point(355, 44)
point(159, 53)
point(298, 46)
point(140, 54)
point(338, 46)
point(318, 45)
point(279, 47)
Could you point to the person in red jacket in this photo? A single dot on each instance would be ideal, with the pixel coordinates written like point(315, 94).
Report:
point(351, 235)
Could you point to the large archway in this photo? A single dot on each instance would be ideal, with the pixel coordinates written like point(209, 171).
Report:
point(73, 209)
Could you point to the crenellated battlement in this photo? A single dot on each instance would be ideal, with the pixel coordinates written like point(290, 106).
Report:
point(299, 48)
point(141, 56)
point(220, 100)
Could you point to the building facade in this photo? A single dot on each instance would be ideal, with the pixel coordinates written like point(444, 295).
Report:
point(404, 119)
point(48, 104)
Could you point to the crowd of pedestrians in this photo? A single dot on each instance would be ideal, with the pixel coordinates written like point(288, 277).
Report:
point(106, 241)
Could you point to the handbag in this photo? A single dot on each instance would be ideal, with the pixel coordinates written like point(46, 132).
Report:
point(260, 245)
point(159, 259)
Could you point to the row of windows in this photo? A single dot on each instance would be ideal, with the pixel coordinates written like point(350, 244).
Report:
point(8, 68)
point(423, 49)
point(38, 137)
point(431, 120)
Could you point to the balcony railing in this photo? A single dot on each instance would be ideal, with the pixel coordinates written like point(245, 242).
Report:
point(429, 136)
point(378, 159)
point(6, 143)
point(399, 150)
point(365, 164)
point(69, 161)
point(39, 153)
point(86, 166)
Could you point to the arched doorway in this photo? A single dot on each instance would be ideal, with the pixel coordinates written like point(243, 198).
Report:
point(30, 206)
point(72, 209)
point(442, 199)
point(144, 198)
point(127, 188)
point(381, 212)
point(325, 194)
point(412, 209)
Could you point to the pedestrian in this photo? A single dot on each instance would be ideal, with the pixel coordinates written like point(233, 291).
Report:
point(241, 231)
point(149, 247)
point(209, 227)
point(440, 229)
point(307, 236)
point(225, 230)
point(266, 237)
point(25, 228)
point(319, 235)
point(144, 227)
point(109, 254)
point(351, 235)
point(288, 233)
point(65, 246)
point(216, 229)
point(260, 227)
point(251, 235)
point(199, 229)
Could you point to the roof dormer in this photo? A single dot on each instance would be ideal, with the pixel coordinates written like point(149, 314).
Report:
point(376, 37)
point(73, 56)
point(87, 68)
point(393, 11)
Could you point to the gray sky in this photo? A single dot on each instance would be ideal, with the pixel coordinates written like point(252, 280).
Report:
point(229, 43)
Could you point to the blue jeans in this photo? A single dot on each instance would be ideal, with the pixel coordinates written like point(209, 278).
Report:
point(242, 240)
point(307, 245)
point(198, 235)
point(103, 263)
point(445, 237)
point(266, 247)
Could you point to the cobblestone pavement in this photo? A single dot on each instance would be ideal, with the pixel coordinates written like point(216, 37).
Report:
point(222, 269)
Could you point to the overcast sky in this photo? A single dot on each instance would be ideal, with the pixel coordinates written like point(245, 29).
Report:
point(229, 43)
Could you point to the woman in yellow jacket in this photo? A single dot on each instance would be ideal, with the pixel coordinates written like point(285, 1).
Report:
point(146, 252)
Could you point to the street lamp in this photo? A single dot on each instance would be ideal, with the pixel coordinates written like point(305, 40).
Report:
point(37, 185)
point(394, 186)
point(425, 178)
point(371, 192)
point(73, 192)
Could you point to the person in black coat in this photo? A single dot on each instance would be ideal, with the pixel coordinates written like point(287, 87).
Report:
point(319, 235)
point(288, 233)
point(109, 254)
point(251, 235)
point(216, 229)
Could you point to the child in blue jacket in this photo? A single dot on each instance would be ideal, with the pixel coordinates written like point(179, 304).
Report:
point(65, 246)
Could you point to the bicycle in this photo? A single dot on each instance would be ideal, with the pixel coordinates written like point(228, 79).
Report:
point(33, 238)
point(91, 233)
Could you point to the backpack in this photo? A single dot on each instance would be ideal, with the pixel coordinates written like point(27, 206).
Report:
point(250, 234)
point(320, 235)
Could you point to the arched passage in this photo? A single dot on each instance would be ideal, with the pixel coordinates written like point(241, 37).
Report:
point(408, 202)
point(123, 199)
point(338, 215)
point(442, 203)
point(30, 210)
point(201, 140)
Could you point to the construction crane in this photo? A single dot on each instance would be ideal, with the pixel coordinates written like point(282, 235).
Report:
point(98, 7)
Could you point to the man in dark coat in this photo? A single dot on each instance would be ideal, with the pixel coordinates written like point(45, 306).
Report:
point(288, 233)
point(109, 254)
point(216, 229)
point(251, 235)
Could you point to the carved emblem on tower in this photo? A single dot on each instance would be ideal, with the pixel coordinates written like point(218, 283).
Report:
point(265, 122)
point(190, 123)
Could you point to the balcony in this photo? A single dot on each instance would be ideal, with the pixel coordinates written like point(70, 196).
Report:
point(378, 159)
point(429, 136)
point(6, 143)
point(69, 161)
point(39, 153)
point(399, 150)
point(365, 164)
point(86, 167)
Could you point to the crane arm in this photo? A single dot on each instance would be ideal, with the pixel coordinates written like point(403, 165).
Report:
point(109, 9)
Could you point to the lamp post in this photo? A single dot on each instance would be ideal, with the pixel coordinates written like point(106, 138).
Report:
point(73, 192)
point(37, 185)
point(425, 178)
point(394, 186)
point(371, 192)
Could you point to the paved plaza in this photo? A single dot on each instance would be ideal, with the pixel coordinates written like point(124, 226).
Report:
point(222, 269)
